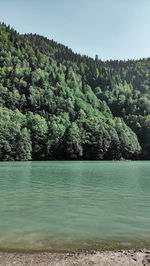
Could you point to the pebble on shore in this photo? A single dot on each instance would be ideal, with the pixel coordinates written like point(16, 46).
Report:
point(140, 257)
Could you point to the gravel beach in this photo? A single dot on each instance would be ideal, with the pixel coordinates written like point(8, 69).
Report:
point(99, 258)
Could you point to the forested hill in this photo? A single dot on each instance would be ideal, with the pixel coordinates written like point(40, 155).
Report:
point(55, 104)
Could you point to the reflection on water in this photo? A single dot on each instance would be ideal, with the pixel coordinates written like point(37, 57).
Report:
point(64, 205)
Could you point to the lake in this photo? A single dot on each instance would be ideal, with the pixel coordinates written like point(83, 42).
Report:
point(67, 205)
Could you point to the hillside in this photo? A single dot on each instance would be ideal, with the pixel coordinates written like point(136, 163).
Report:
point(55, 104)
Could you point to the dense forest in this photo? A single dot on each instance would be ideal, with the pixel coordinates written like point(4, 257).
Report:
point(56, 104)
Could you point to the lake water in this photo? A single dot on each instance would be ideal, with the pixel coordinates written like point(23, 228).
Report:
point(70, 205)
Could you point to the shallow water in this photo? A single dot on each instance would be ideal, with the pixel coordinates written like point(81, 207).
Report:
point(68, 205)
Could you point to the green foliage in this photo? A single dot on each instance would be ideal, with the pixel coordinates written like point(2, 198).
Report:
point(38, 129)
point(74, 148)
point(55, 104)
point(15, 143)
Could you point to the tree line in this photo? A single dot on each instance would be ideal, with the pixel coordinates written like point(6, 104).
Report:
point(56, 104)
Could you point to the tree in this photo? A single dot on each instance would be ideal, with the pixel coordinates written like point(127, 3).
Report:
point(38, 128)
point(73, 142)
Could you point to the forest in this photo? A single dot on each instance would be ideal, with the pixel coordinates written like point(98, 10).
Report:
point(59, 105)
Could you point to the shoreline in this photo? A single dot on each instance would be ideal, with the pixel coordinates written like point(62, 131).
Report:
point(130, 257)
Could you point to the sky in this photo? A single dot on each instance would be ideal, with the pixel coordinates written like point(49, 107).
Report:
point(112, 29)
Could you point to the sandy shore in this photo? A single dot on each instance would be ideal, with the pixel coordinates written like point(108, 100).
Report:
point(98, 258)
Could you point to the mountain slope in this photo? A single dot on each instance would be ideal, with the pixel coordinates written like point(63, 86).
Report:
point(55, 104)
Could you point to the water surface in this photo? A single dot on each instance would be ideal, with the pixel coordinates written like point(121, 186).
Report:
point(68, 205)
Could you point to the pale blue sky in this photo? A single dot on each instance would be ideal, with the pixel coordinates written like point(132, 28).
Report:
point(113, 29)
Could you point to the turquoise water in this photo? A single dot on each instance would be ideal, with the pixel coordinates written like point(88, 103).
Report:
point(69, 205)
